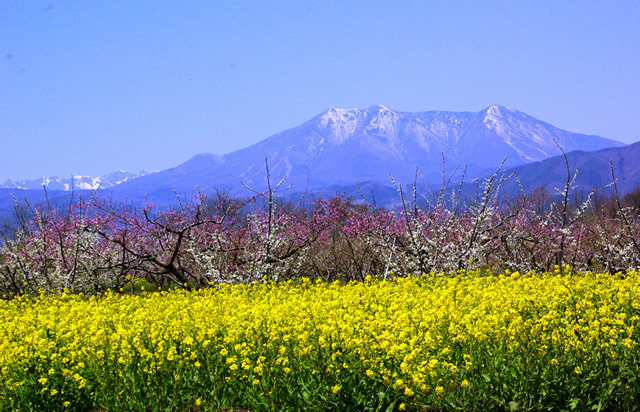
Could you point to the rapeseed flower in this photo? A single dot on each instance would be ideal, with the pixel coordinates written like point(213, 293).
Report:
point(427, 338)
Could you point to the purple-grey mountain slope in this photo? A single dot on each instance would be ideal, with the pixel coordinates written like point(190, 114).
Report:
point(340, 146)
point(594, 170)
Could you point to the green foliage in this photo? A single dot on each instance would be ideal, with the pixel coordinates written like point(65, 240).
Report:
point(556, 341)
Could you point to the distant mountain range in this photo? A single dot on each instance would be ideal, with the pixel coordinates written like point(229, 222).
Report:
point(594, 170)
point(340, 146)
point(74, 182)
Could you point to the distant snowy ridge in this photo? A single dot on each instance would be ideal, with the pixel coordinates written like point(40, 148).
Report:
point(75, 182)
point(341, 146)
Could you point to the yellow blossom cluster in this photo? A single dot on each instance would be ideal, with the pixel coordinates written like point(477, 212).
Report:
point(434, 340)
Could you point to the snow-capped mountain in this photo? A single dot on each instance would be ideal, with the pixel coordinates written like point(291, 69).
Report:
point(340, 146)
point(74, 182)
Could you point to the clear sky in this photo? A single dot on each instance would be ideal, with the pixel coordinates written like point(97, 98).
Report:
point(90, 87)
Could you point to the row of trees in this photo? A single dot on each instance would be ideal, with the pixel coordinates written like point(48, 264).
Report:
point(92, 246)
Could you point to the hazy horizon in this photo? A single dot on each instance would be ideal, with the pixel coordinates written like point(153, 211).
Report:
point(91, 88)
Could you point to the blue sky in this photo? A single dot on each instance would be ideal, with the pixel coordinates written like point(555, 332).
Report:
point(95, 86)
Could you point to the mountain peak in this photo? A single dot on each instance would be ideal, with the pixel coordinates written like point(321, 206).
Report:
point(339, 146)
point(379, 108)
point(505, 119)
point(376, 108)
point(74, 181)
point(498, 110)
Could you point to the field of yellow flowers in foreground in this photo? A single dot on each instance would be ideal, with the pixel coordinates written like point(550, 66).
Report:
point(551, 341)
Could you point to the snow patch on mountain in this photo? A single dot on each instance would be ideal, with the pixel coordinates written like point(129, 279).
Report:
point(343, 145)
point(340, 146)
point(78, 182)
point(341, 124)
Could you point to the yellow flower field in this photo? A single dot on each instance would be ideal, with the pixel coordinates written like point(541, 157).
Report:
point(465, 342)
